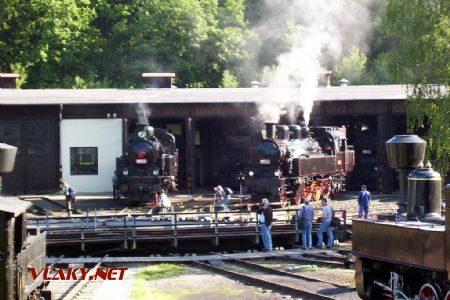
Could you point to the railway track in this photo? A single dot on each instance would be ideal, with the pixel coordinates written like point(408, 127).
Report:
point(268, 270)
point(70, 290)
point(286, 283)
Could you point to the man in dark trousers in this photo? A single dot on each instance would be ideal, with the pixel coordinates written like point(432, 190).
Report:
point(265, 217)
point(306, 216)
point(364, 199)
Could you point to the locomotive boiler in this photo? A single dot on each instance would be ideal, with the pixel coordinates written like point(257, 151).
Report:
point(296, 162)
point(148, 166)
point(406, 255)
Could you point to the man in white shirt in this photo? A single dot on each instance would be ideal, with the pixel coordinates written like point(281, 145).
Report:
point(164, 202)
point(325, 226)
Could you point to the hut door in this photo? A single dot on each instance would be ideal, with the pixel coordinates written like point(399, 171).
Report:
point(35, 169)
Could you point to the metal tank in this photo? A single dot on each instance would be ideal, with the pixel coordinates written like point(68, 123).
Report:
point(282, 132)
point(424, 193)
point(405, 153)
point(270, 130)
point(295, 131)
point(7, 158)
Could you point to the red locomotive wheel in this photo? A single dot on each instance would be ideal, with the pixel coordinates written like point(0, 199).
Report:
point(283, 199)
point(297, 199)
point(447, 297)
point(429, 292)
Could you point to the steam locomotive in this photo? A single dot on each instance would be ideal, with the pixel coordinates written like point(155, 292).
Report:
point(296, 162)
point(406, 255)
point(148, 166)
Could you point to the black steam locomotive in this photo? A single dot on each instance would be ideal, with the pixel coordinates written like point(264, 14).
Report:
point(296, 162)
point(406, 255)
point(149, 165)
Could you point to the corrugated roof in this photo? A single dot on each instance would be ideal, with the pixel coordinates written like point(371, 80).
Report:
point(13, 205)
point(201, 95)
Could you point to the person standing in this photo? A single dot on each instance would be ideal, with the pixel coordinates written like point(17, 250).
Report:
point(364, 199)
point(115, 183)
point(219, 194)
point(265, 217)
point(226, 197)
point(306, 216)
point(70, 194)
point(325, 225)
point(164, 202)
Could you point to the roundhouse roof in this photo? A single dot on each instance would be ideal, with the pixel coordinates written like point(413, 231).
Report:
point(200, 95)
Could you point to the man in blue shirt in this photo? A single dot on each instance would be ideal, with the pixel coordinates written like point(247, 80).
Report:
point(363, 202)
point(325, 226)
point(306, 213)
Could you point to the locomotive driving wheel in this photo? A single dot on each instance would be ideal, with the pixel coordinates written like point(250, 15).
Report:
point(283, 199)
point(430, 292)
point(447, 297)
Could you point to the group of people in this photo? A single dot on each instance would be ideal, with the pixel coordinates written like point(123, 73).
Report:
point(306, 216)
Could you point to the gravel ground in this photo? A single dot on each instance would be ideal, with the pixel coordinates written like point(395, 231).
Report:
point(202, 285)
point(198, 284)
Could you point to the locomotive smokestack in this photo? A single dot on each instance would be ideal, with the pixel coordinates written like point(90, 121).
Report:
point(270, 130)
point(141, 126)
point(405, 153)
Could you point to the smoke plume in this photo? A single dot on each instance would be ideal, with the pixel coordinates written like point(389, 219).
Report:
point(323, 31)
point(143, 112)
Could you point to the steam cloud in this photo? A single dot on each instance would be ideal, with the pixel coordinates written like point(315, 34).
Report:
point(142, 112)
point(324, 31)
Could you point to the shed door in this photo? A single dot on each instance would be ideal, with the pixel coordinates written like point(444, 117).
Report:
point(35, 170)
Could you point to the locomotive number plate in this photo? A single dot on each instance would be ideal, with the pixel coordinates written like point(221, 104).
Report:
point(264, 161)
point(141, 161)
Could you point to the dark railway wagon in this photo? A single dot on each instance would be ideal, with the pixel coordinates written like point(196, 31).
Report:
point(406, 256)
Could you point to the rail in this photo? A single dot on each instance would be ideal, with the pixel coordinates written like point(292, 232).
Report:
point(131, 228)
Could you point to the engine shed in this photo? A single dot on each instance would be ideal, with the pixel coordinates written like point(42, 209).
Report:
point(76, 135)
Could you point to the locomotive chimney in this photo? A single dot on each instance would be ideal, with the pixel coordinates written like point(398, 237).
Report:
point(405, 153)
point(325, 78)
point(270, 130)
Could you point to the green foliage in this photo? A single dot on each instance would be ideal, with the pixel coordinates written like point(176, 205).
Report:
point(421, 58)
point(352, 68)
point(79, 43)
point(47, 38)
point(229, 80)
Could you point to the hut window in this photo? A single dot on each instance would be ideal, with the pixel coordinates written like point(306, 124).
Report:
point(83, 161)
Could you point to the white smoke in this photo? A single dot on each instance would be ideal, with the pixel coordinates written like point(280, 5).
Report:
point(325, 29)
point(143, 112)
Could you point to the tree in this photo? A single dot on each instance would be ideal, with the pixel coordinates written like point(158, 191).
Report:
point(421, 59)
point(352, 68)
point(46, 40)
